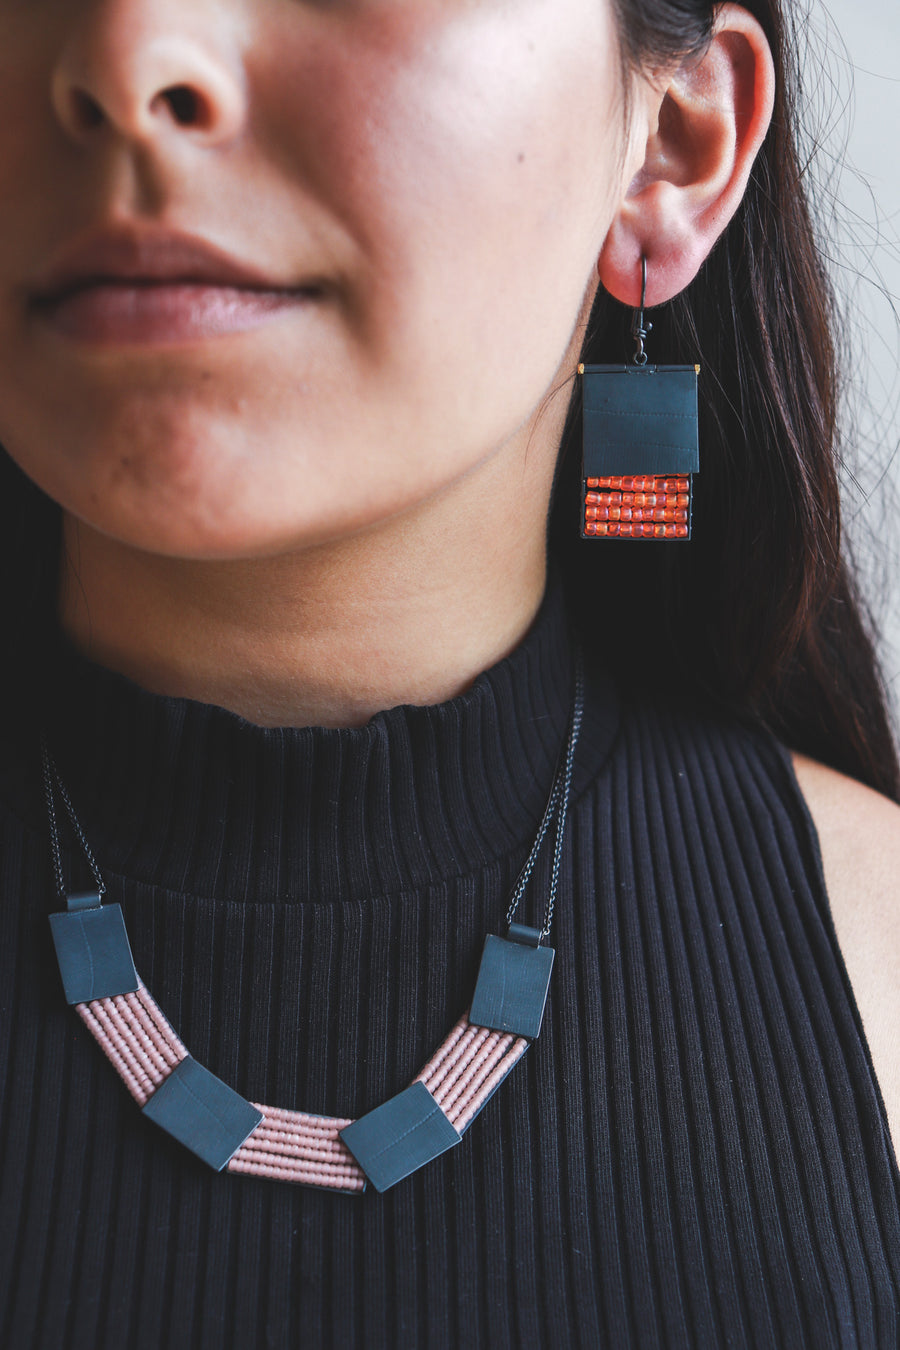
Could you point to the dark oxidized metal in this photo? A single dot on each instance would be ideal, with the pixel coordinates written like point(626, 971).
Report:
point(399, 1137)
point(202, 1113)
point(513, 982)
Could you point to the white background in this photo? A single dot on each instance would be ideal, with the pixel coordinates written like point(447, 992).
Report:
point(852, 102)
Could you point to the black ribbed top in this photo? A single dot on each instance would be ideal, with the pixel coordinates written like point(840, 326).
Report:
point(694, 1153)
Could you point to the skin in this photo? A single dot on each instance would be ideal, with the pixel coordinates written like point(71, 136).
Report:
point(859, 834)
point(343, 509)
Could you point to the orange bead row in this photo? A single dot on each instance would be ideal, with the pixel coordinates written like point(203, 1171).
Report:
point(630, 530)
point(640, 484)
point(637, 499)
point(670, 515)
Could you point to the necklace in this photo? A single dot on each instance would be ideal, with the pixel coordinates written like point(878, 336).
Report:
point(229, 1133)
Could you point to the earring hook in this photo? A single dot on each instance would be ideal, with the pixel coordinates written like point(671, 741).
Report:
point(640, 329)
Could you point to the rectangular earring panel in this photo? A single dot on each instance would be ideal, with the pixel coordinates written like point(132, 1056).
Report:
point(640, 451)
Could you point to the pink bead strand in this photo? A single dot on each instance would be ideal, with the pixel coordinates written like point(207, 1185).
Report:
point(123, 1050)
point(444, 1049)
point(141, 1046)
point(328, 1124)
point(292, 1146)
point(459, 1053)
point(351, 1182)
point(483, 1070)
point(451, 1090)
point(136, 1038)
point(493, 1082)
point(140, 1090)
point(157, 1028)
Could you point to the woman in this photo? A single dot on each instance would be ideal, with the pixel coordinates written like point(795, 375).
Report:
point(293, 303)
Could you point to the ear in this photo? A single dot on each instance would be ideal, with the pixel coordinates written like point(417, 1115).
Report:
point(698, 131)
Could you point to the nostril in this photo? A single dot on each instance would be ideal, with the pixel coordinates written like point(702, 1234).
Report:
point(184, 104)
point(86, 110)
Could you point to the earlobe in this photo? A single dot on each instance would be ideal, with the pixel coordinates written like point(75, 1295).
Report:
point(704, 128)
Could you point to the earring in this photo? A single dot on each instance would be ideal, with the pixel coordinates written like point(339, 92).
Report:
point(640, 444)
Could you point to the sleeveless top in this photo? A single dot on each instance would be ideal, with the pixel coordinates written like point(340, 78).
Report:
point(693, 1154)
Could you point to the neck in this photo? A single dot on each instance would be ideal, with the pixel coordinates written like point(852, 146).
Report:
point(410, 611)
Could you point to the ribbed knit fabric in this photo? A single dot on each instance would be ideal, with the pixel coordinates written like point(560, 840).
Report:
point(693, 1154)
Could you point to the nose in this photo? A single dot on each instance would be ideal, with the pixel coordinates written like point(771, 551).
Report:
point(141, 68)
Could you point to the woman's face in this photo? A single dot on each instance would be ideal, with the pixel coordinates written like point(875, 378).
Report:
point(413, 194)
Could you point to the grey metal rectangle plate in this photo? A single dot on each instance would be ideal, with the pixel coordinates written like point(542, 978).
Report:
point(399, 1137)
point(203, 1113)
point(94, 953)
point(511, 992)
point(640, 420)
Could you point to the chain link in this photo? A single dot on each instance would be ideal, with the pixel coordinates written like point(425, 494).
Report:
point(53, 783)
point(557, 808)
point(51, 818)
point(531, 860)
point(577, 715)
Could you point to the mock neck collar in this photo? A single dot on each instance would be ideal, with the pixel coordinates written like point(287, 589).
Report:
point(194, 799)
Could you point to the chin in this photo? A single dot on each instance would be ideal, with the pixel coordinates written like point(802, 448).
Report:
point(218, 508)
point(215, 479)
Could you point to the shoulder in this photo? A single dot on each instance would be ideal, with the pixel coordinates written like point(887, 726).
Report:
point(859, 838)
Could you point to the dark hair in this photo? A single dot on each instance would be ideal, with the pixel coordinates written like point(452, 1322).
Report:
point(760, 613)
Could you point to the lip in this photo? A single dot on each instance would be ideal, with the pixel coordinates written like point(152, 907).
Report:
point(157, 287)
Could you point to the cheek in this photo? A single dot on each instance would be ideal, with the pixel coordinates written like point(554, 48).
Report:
point(472, 164)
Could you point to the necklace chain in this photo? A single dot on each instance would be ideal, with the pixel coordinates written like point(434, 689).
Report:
point(51, 778)
point(557, 807)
